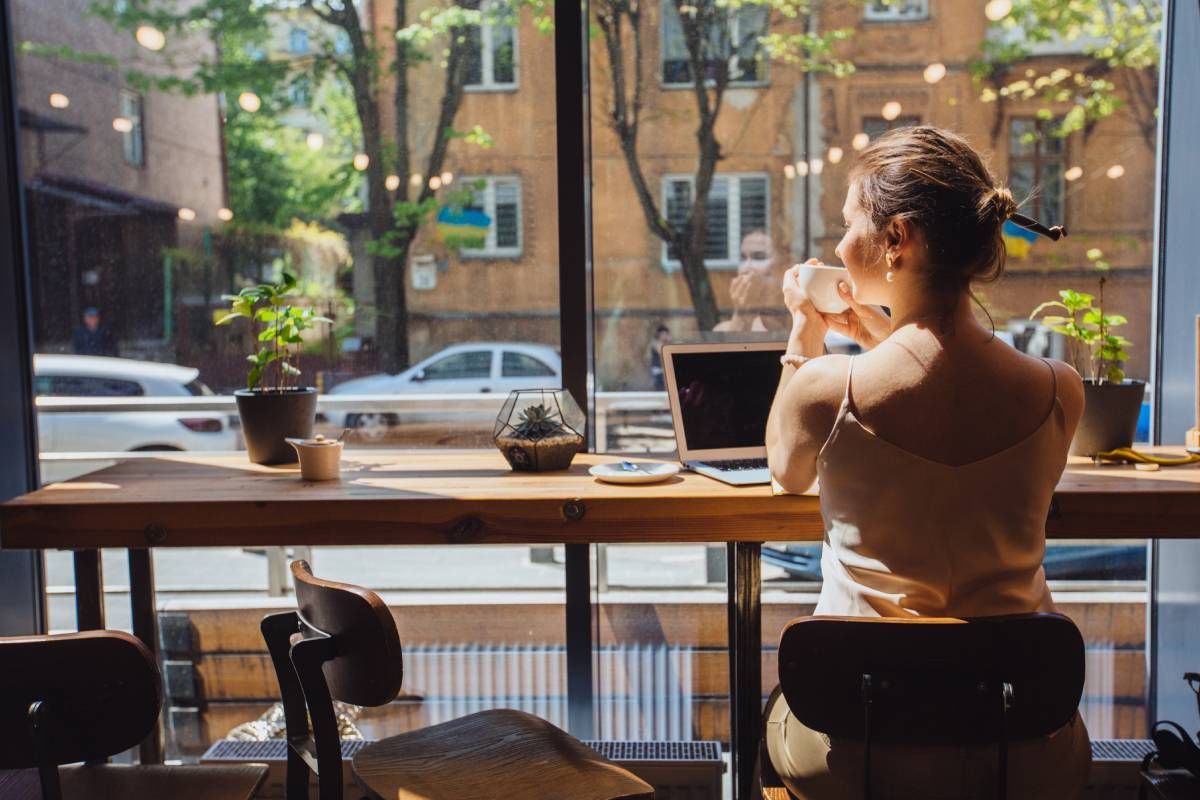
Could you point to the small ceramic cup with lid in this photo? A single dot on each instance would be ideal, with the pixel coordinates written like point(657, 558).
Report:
point(320, 458)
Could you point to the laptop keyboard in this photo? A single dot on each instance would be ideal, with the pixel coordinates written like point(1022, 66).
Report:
point(737, 464)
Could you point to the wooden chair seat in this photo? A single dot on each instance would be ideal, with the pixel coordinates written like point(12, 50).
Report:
point(120, 782)
point(502, 753)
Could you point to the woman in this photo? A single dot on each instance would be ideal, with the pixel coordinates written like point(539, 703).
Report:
point(937, 449)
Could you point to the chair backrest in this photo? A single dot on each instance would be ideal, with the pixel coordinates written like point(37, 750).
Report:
point(100, 693)
point(933, 681)
point(367, 669)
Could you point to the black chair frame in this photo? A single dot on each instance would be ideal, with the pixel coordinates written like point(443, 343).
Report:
point(299, 666)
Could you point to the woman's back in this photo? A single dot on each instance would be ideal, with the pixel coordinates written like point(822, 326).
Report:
point(937, 476)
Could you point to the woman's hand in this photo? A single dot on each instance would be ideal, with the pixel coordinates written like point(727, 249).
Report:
point(808, 324)
point(866, 325)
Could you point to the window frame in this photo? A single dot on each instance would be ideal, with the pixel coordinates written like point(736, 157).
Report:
point(487, 59)
point(293, 36)
point(1038, 159)
point(892, 15)
point(133, 141)
point(667, 8)
point(490, 250)
point(733, 246)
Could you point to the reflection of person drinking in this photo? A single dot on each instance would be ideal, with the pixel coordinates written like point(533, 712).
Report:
point(754, 290)
point(93, 338)
point(938, 450)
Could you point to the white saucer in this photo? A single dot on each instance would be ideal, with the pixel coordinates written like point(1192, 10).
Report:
point(646, 472)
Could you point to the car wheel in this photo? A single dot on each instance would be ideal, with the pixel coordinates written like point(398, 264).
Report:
point(371, 426)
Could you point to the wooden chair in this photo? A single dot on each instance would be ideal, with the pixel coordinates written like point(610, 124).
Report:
point(930, 681)
point(84, 697)
point(342, 644)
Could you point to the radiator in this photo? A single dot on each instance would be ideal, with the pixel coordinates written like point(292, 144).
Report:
point(676, 770)
point(644, 691)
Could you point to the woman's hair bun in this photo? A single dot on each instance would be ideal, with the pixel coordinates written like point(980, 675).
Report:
point(997, 203)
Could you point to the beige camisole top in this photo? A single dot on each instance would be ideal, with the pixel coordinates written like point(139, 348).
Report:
point(906, 536)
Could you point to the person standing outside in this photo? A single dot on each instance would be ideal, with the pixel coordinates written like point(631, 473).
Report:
point(93, 338)
point(662, 336)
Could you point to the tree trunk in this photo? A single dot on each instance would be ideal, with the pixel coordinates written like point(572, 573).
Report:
point(695, 274)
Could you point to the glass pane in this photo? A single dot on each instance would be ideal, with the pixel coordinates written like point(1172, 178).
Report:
point(519, 365)
point(786, 150)
point(173, 153)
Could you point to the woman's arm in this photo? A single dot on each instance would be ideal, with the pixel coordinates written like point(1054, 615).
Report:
point(806, 399)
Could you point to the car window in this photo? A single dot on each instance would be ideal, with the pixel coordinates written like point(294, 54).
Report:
point(198, 388)
point(88, 386)
point(520, 365)
point(472, 364)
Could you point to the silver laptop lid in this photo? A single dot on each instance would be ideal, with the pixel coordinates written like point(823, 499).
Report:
point(720, 397)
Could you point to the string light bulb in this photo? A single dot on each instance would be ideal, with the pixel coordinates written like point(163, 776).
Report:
point(415, 180)
point(59, 100)
point(835, 154)
point(391, 183)
point(435, 183)
point(187, 214)
point(997, 10)
point(249, 101)
point(150, 37)
point(224, 214)
point(789, 171)
point(314, 140)
point(816, 166)
point(122, 124)
point(1073, 174)
point(935, 72)
point(891, 109)
point(802, 168)
point(1115, 171)
point(860, 141)
point(361, 161)
point(447, 178)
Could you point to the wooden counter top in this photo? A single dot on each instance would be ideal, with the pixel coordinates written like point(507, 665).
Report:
point(469, 497)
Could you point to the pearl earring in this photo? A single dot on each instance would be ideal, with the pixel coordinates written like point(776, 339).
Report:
point(890, 276)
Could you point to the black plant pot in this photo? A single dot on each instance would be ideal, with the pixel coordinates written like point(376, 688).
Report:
point(1110, 417)
point(270, 417)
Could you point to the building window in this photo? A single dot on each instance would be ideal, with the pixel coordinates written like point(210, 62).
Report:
point(737, 205)
point(877, 126)
point(497, 204)
point(492, 58)
point(133, 142)
point(298, 42)
point(896, 10)
point(1036, 163)
point(300, 91)
point(732, 41)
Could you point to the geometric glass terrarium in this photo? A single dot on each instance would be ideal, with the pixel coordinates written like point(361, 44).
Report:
point(539, 429)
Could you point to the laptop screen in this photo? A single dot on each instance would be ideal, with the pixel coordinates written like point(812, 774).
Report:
point(725, 397)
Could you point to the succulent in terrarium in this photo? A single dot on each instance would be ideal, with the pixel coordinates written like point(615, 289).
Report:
point(538, 422)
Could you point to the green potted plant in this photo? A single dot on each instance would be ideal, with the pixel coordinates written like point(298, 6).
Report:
point(538, 430)
point(274, 406)
point(1111, 403)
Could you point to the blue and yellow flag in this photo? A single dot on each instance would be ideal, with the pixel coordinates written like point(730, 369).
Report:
point(1017, 240)
point(464, 227)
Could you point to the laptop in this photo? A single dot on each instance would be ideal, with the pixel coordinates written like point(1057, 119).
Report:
point(720, 397)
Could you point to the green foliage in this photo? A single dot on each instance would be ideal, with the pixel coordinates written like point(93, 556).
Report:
point(283, 324)
point(539, 422)
point(1096, 352)
point(1119, 40)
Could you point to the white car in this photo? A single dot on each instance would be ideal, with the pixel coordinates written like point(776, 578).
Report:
point(97, 376)
point(469, 368)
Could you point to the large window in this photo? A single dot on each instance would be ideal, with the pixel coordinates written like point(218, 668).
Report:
point(129, 125)
point(896, 10)
point(737, 205)
point(495, 206)
point(1037, 168)
point(492, 57)
point(725, 39)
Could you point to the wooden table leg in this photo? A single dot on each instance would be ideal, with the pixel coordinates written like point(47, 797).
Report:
point(744, 578)
point(89, 591)
point(145, 627)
